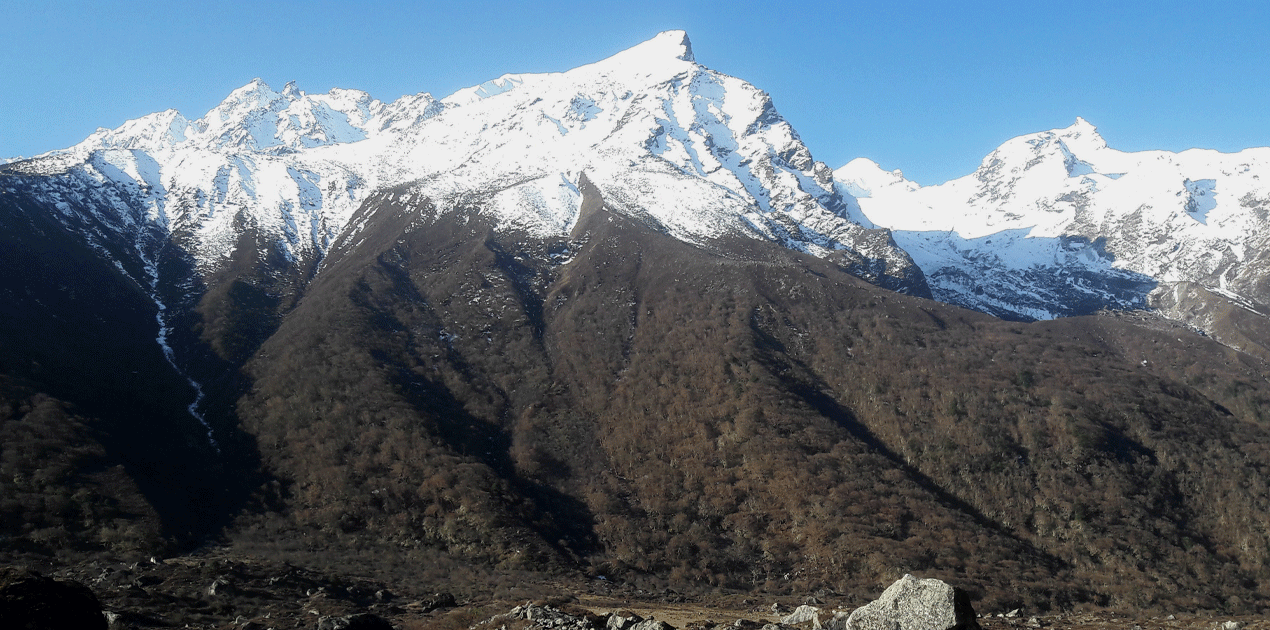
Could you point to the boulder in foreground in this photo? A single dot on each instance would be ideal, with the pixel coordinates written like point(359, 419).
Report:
point(915, 604)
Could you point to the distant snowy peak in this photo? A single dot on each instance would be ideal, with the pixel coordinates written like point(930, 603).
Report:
point(254, 118)
point(862, 176)
point(1080, 138)
point(406, 112)
point(159, 131)
point(1046, 181)
point(1057, 223)
point(1037, 162)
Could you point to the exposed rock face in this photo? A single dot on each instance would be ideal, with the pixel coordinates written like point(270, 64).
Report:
point(544, 617)
point(803, 613)
point(915, 604)
point(220, 587)
point(1240, 324)
point(551, 617)
point(618, 621)
point(439, 600)
point(29, 600)
point(652, 624)
point(364, 621)
point(838, 621)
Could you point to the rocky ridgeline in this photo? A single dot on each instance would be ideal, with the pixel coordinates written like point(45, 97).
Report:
point(908, 604)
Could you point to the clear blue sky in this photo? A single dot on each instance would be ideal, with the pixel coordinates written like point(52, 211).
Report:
point(928, 87)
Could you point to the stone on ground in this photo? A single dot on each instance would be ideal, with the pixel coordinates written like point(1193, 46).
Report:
point(914, 604)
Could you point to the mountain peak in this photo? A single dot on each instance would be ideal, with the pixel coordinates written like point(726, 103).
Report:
point(1079, 128)
point(254, 86)
point(665, 45)
point(1082, 137)
point(678, 42)
point(863, 177)
point(256, 94)
point(665, 48)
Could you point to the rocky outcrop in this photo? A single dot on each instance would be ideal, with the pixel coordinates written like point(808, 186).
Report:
point(544, 617)
point(652, 624)
point(622, 621)
point(550, 617)
point(803, 614)
point(915, 604)
point(363, 621)
point(437, 602)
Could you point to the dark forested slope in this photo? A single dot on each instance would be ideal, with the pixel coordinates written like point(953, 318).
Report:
point(99, 450)
point(741, 415)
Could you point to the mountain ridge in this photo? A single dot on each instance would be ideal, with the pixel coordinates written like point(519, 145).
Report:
point(243, 205)
point(356, 144)
point(617, 322)
point(1048, 207)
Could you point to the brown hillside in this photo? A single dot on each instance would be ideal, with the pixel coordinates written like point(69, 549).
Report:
point(744, 417)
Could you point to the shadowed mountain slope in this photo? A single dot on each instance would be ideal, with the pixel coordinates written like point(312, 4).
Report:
point(93, 413)
point(613, 321)
point(628, 404)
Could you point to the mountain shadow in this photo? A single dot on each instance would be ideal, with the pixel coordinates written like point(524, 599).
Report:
point(1012, 275)
point(81, 331)
point(740, 416)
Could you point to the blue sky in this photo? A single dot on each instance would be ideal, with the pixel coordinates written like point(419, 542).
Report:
point(927, 87)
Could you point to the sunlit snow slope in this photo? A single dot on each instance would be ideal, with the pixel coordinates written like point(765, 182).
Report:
point(698, 153)
point(234, 213)
point(1057, 223)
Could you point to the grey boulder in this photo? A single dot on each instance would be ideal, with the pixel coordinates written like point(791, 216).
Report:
point(915, 604)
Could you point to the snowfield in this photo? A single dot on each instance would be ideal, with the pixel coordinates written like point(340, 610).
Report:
point(702, 154)
point(1050, 207)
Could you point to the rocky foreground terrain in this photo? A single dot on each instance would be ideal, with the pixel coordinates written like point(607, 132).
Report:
point(220, 591)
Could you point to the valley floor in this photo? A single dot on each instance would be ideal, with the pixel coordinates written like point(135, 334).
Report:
point(220, 589)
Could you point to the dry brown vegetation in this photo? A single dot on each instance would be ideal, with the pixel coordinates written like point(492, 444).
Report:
point(445, 405)
point(666, 415)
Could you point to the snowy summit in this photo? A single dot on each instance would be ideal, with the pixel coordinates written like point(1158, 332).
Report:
point(1057, 223)
point(698, 153)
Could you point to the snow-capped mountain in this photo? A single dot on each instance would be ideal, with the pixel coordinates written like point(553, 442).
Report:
point(247, 165)
point(604, 320)
point(224, 221)
point(698, 153)
point(1058, 223)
